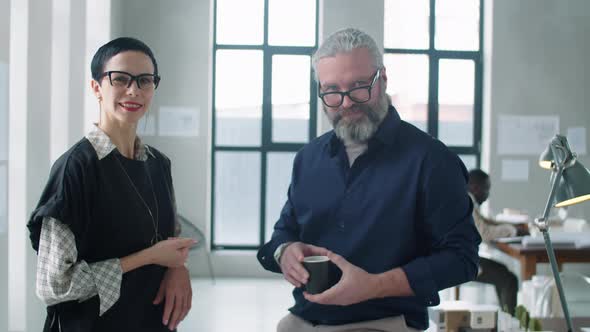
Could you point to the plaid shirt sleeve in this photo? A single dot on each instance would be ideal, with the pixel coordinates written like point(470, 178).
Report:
point(61, 278)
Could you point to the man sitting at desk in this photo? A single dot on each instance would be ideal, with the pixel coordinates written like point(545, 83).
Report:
point(492, 272)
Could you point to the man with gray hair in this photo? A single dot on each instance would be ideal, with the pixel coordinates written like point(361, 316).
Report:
point(383, 200)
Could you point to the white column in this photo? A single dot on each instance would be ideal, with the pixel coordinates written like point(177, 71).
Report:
point(19, 14)
point(60, 77)
point(68, 75)
point(4, 42)
point(78, 85)
point(29, 104)
point(98, 32)
point(49, 83)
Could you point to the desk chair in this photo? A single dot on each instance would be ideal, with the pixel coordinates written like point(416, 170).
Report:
point(188, 229)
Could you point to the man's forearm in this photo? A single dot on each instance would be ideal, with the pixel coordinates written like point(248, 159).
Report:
point(393, 283)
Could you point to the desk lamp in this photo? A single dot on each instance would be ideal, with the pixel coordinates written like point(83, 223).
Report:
point(570, 184)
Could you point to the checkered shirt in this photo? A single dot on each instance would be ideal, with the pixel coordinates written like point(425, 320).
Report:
point(61, 278)
point(103, 145)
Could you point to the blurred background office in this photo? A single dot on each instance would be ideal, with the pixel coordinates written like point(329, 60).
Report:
point(494, 80)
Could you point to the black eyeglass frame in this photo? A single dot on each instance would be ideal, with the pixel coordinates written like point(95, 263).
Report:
point(348, 93)
point(133, 78)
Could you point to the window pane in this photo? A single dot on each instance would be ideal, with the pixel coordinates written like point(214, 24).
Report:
point(240, 22)
point(291, 23)
point(238, 97)
point(237, 198)
point(457, 25)
point(406, 24)
point(469, 161)
point(408, 86)
point(278, 179)
point(290, 98)
point(455, 101)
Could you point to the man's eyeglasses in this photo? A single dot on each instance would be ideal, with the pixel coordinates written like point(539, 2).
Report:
point(122, 79)
point(362, 94)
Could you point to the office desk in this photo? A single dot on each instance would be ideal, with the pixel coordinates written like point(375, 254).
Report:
point(529, 257)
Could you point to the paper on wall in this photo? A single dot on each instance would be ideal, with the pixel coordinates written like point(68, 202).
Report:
point(178, 121)
point(576, 137)
point(515, 170)
point(524, 134)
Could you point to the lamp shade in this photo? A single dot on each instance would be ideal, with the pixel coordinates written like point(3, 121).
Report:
point(574, 186)
point(546, 158)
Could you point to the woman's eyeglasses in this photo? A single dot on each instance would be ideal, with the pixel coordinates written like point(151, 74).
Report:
point(122, 79)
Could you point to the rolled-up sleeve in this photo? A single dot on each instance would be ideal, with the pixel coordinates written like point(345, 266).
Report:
point(450, 236)
point(60, 277)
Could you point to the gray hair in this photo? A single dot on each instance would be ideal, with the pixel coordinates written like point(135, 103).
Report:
point(344, 41)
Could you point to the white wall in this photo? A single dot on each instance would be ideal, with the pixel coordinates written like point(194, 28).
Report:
point(539, 66)
point(364, 15)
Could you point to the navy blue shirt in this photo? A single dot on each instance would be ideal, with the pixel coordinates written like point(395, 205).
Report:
point(403, 203)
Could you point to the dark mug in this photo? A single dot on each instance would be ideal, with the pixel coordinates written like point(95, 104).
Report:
point(321, 273)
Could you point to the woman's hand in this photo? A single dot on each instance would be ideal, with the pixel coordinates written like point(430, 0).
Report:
point(176, 292)
point(171, 253)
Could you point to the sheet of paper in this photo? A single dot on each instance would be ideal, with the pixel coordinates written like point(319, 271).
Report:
point(178, 121)
point(3, 111)
point(524, 134)
point(3, 198)
point(576, 137)
point(515, 170)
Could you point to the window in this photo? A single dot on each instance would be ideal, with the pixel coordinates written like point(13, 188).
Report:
point(264, 111)
point(433, 56)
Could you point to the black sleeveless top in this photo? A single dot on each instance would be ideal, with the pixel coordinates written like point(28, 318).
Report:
point(102, 208)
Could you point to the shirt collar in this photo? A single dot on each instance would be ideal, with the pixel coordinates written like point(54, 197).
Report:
point(385, 134)
point(103, 145)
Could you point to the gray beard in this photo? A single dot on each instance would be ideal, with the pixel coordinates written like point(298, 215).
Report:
point(362, 130)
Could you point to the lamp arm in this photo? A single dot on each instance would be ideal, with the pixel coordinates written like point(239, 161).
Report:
point(543, 222)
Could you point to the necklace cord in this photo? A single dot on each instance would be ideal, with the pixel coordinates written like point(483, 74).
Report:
point(155, 221)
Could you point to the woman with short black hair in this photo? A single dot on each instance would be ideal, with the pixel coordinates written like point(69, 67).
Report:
point(105, 223)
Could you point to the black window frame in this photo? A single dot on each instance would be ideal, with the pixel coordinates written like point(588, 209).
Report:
point(267, 145)
point(434, 56)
